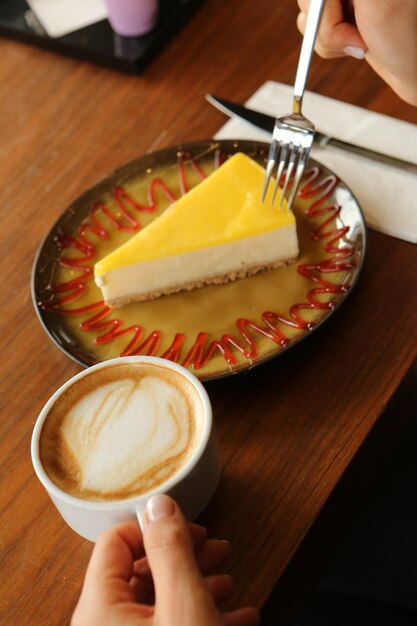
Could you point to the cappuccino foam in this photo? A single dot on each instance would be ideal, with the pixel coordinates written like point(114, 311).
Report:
point(121, 431)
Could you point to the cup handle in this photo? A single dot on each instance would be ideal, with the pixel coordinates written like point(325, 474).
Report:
point(140, 512)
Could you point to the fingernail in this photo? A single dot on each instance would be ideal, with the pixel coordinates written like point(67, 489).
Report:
point(158, 507)
point(356, 53)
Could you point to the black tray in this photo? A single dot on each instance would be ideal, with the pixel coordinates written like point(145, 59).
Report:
point(98, 43)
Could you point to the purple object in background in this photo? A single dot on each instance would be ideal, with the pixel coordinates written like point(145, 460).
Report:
point(131, 18)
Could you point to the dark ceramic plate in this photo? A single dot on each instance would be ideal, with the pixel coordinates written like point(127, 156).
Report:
point(217, 330)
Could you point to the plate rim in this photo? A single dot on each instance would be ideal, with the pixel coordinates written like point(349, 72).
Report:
point(168, 150)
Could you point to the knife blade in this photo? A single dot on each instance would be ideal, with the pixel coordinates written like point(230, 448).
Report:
point(267, 122)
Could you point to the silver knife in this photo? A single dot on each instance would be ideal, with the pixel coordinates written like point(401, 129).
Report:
point(266, 122)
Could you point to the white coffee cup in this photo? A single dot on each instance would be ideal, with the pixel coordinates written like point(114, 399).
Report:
point(192, 486)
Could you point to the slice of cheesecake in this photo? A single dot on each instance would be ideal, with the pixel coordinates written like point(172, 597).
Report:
point(217, 232)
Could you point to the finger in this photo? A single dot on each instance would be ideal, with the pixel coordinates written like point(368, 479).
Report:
point(336, 36)
point(198, 536)
point(212, 554)
point(142, 583)
point(303, 5)
point(114, 555)
point(220, 586)
point(141, 593)
point(242, 617)
point(323, 52)
point(177, 579)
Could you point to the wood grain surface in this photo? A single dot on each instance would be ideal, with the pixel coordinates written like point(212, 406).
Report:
point(288, 430)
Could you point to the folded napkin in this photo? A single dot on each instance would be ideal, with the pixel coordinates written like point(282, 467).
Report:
point(387, 195)
point(60, 17)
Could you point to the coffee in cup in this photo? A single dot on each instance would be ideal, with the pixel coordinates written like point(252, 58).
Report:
point(120, 431)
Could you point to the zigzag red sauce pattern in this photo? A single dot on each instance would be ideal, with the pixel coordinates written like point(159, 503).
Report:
point(100, 316)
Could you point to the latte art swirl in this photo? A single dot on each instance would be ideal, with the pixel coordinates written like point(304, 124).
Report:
point(121, 432)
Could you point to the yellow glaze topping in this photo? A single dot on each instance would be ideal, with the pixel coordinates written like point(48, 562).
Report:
point(224, 207)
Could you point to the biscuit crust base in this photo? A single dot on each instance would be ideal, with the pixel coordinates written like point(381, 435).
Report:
point(217, 279)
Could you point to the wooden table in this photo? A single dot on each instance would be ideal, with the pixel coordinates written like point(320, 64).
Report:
point(289, 430)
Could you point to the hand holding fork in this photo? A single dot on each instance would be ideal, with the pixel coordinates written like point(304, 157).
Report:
point(293, 134)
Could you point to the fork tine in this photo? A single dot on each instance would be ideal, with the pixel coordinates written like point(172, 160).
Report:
point(293, 156)
point(281, 165)
point(272, 159)
point(297, 178)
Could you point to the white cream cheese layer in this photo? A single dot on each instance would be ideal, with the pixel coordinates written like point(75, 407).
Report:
point(159, 275)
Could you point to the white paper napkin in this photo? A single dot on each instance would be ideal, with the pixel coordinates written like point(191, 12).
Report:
point(387, 195)
point(60, 17)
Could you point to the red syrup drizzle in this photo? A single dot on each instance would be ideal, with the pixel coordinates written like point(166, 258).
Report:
point(199, 355)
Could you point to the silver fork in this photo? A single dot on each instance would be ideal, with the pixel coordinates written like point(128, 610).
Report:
point(293, 134)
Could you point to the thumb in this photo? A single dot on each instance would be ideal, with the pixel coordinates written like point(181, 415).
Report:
point(181, 595)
